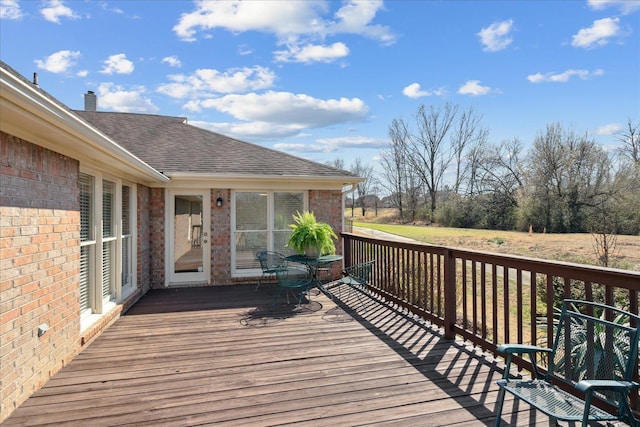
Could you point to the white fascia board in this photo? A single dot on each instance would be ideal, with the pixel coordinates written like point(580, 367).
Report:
point(29, 115)
point(273, 182)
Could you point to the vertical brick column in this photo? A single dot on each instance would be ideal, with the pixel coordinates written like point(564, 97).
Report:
point(157, 205)
point(327, 207)
point(220, 237)
point(144, 239)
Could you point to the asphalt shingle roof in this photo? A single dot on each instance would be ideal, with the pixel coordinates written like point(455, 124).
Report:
point(170, 144)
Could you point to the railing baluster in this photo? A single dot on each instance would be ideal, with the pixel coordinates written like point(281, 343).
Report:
point(424, 278)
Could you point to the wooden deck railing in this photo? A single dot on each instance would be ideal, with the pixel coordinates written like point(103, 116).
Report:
point(486, 298)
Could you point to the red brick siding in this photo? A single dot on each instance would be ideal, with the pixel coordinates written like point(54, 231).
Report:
point(144, 239)
point(156, 237)
point(327, 207)
point(221, 237)
point(39, 267)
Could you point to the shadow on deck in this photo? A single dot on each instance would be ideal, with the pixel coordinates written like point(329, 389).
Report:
point(225, 356)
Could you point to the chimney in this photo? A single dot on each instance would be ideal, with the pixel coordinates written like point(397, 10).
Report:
point(90, 101)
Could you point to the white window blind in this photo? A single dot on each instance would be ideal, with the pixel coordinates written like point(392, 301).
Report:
point(262, 223)
point(126, 237)
point(108, 196)
point(87, 240)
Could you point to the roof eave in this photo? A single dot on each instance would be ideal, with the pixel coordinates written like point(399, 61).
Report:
point(29, 115)
point(254, 181)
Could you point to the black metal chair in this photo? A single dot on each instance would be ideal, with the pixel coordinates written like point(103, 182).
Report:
point(293, 281)
point(270, 262)
point(357, 277)
point(594, 354)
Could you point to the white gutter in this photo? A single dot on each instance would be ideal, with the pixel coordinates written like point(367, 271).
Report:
point(28, 114)
point(255, 181)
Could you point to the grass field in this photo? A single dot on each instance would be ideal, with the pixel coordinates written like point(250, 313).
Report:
point(577, 247)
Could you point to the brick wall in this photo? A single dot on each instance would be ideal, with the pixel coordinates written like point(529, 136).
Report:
point(326, 205)
point(156, 237)
point(144, 239)
point(221, 238)
point(39, 267)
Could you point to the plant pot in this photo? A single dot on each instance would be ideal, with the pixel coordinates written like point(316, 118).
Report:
point(312, 252)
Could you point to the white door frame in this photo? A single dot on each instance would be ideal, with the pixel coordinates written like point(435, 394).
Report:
point(200, 277)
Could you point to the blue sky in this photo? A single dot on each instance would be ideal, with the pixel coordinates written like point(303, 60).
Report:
point(323, 80)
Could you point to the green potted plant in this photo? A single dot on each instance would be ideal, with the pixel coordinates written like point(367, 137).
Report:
point(311, 237)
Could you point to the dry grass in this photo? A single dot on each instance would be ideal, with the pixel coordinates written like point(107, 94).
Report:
point(577, 247)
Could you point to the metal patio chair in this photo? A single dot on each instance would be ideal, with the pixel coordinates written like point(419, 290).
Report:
point(270, 262)
point(594, 354)
point(357, 277)
point(293, 281)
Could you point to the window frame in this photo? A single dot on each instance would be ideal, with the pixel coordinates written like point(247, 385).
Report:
point(100, 304)
point(270, 230)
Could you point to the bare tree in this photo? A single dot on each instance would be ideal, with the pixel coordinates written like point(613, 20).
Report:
point(502, 169)
point(394, 164)
point(362, 188)
point(466, 132)
point(568, 176)
point(338, 163)
point(630, 138)
point(428, 156)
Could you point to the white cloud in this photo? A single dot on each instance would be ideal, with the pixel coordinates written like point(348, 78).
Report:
point(279, 114)
point(312, 53)
point(115, 97)
point(610, 129)
point(495, 37)
point(105, 6)
point(625, 6)
point(288, 108)
point(10, 9)
point(244, 50)
point(331, 145)
point(352, 142)
point(287, 20)
point(59, 62)
point(206, 82)
point(355, 17)
point(117, 64)
point(251, 130)
point(291, 148)
point(238, 16)
point(474, 88)
point(82, 73)
point(55, 9)
point(564, 77)
point(173, 61)
point(413, 91)
point(598, 34)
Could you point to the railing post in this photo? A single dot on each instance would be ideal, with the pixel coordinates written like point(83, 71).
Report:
point(348, 245)
point(449, 294)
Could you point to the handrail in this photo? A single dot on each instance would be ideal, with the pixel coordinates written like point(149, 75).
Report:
point(486, 298)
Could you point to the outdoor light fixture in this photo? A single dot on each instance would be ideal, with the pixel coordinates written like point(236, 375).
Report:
point(42, 329)
point(219, 202)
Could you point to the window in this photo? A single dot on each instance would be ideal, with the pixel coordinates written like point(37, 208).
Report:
point(106, 247)
point(87, 241)
point(127, 239)
point(261, 222)
point(108, 239)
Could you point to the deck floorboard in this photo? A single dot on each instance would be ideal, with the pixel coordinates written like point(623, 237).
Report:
point(225, 356)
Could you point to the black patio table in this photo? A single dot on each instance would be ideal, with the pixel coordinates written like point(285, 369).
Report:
point(314, 264)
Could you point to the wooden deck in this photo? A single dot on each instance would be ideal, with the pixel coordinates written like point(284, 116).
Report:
point(224, 356)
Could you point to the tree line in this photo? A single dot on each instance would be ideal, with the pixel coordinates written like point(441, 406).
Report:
point(441, 168)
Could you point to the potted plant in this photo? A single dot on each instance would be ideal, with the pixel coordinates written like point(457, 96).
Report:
point(311, 237)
